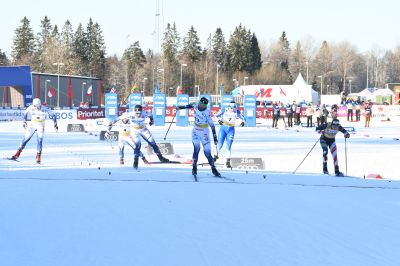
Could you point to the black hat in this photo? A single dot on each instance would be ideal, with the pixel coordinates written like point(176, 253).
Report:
point(203, 101)
point(138, 108)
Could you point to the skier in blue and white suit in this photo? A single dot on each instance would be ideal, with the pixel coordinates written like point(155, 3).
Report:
point(137, 120)
point(123, 125)
point(37, 115)
point(201, 133)
point(227, 120)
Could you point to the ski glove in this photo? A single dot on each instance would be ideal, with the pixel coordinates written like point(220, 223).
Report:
point(151, 122)
point(181, 107)
point(107, 134)
point(220, 122)
point(347, 135)
point(242, 124)
point(56, 127)
point(24, 125)
point(215, 139)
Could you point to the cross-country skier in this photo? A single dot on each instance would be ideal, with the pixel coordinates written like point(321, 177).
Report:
point(328, 133)
point(138, 127)
point(123, 125)
point(38, 115)
point(201, 133)
point(227, 120)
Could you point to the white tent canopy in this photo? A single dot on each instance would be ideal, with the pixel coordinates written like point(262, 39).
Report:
point(299, 92)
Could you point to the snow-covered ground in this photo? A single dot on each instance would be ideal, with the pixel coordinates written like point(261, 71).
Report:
point(80, 207)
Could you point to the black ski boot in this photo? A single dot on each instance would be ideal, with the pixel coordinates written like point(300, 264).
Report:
point(228, 163)
point(337, 172)
point(215, 172)
point(325, 169)
point(121, 161)
point(194, 170)
point(215, 158)
point(145, 160)
point(135, 163)
point(162, 159)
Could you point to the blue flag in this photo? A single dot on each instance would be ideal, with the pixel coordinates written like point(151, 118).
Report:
point(156, 89)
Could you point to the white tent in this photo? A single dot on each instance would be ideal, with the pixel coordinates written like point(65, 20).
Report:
point(298, 92)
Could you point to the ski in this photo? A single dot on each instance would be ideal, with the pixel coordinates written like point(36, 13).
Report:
point(171, 162)
point(11, 159)
point(223, 177)
point(195, 178)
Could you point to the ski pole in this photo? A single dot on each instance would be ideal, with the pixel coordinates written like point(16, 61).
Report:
point(305, 157)
point(345, 152)
point(165, 137)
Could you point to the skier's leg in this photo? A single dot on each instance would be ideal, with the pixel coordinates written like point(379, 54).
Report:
point(196, 146)
point(121, 146)
point(324, 147)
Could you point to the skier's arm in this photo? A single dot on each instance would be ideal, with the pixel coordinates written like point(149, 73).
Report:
point(344, 131)
point(188, 106)
point(241, 117)
point(321, 128)
point(219, 115)
point(54, 118)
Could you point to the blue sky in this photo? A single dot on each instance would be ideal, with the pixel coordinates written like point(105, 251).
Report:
point(367, 26)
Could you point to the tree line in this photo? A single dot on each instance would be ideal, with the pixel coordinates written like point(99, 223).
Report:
point(226, 62)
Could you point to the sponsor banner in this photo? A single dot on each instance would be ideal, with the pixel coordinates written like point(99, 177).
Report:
point(182, 117)
point(134, 99)
point(166, 148)
point(11, 115)
point(245, 163)
point(18, 114)
point(159, 107)
point(75, 128)
point(250, 107)
point(67, 114)
point(226, 99)
point(113, 136)
point(111, 106)
point(90, 113)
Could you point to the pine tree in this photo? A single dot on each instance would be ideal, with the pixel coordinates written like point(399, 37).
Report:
point(255, 62)
point(191, 46)
point(95, 49)
point(285, 53)
point(135, 59)
point(240, 49)
point(44, 35)
point(297, 61)
point(24, 43)
point(80, 48)
point(170, 45)
point(3, 59)
point(170, 48)
point(218, 48)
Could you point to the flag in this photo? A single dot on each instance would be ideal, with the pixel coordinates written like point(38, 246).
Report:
point(221, 90)
point(135, 88)
point(50, 93)
point(89, 91)
point(113, 90)
point(282, 92)
point(179, 90)
point(156, 89)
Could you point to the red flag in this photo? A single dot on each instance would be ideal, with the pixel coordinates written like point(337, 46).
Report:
point(51, 92)
point(179, 90)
